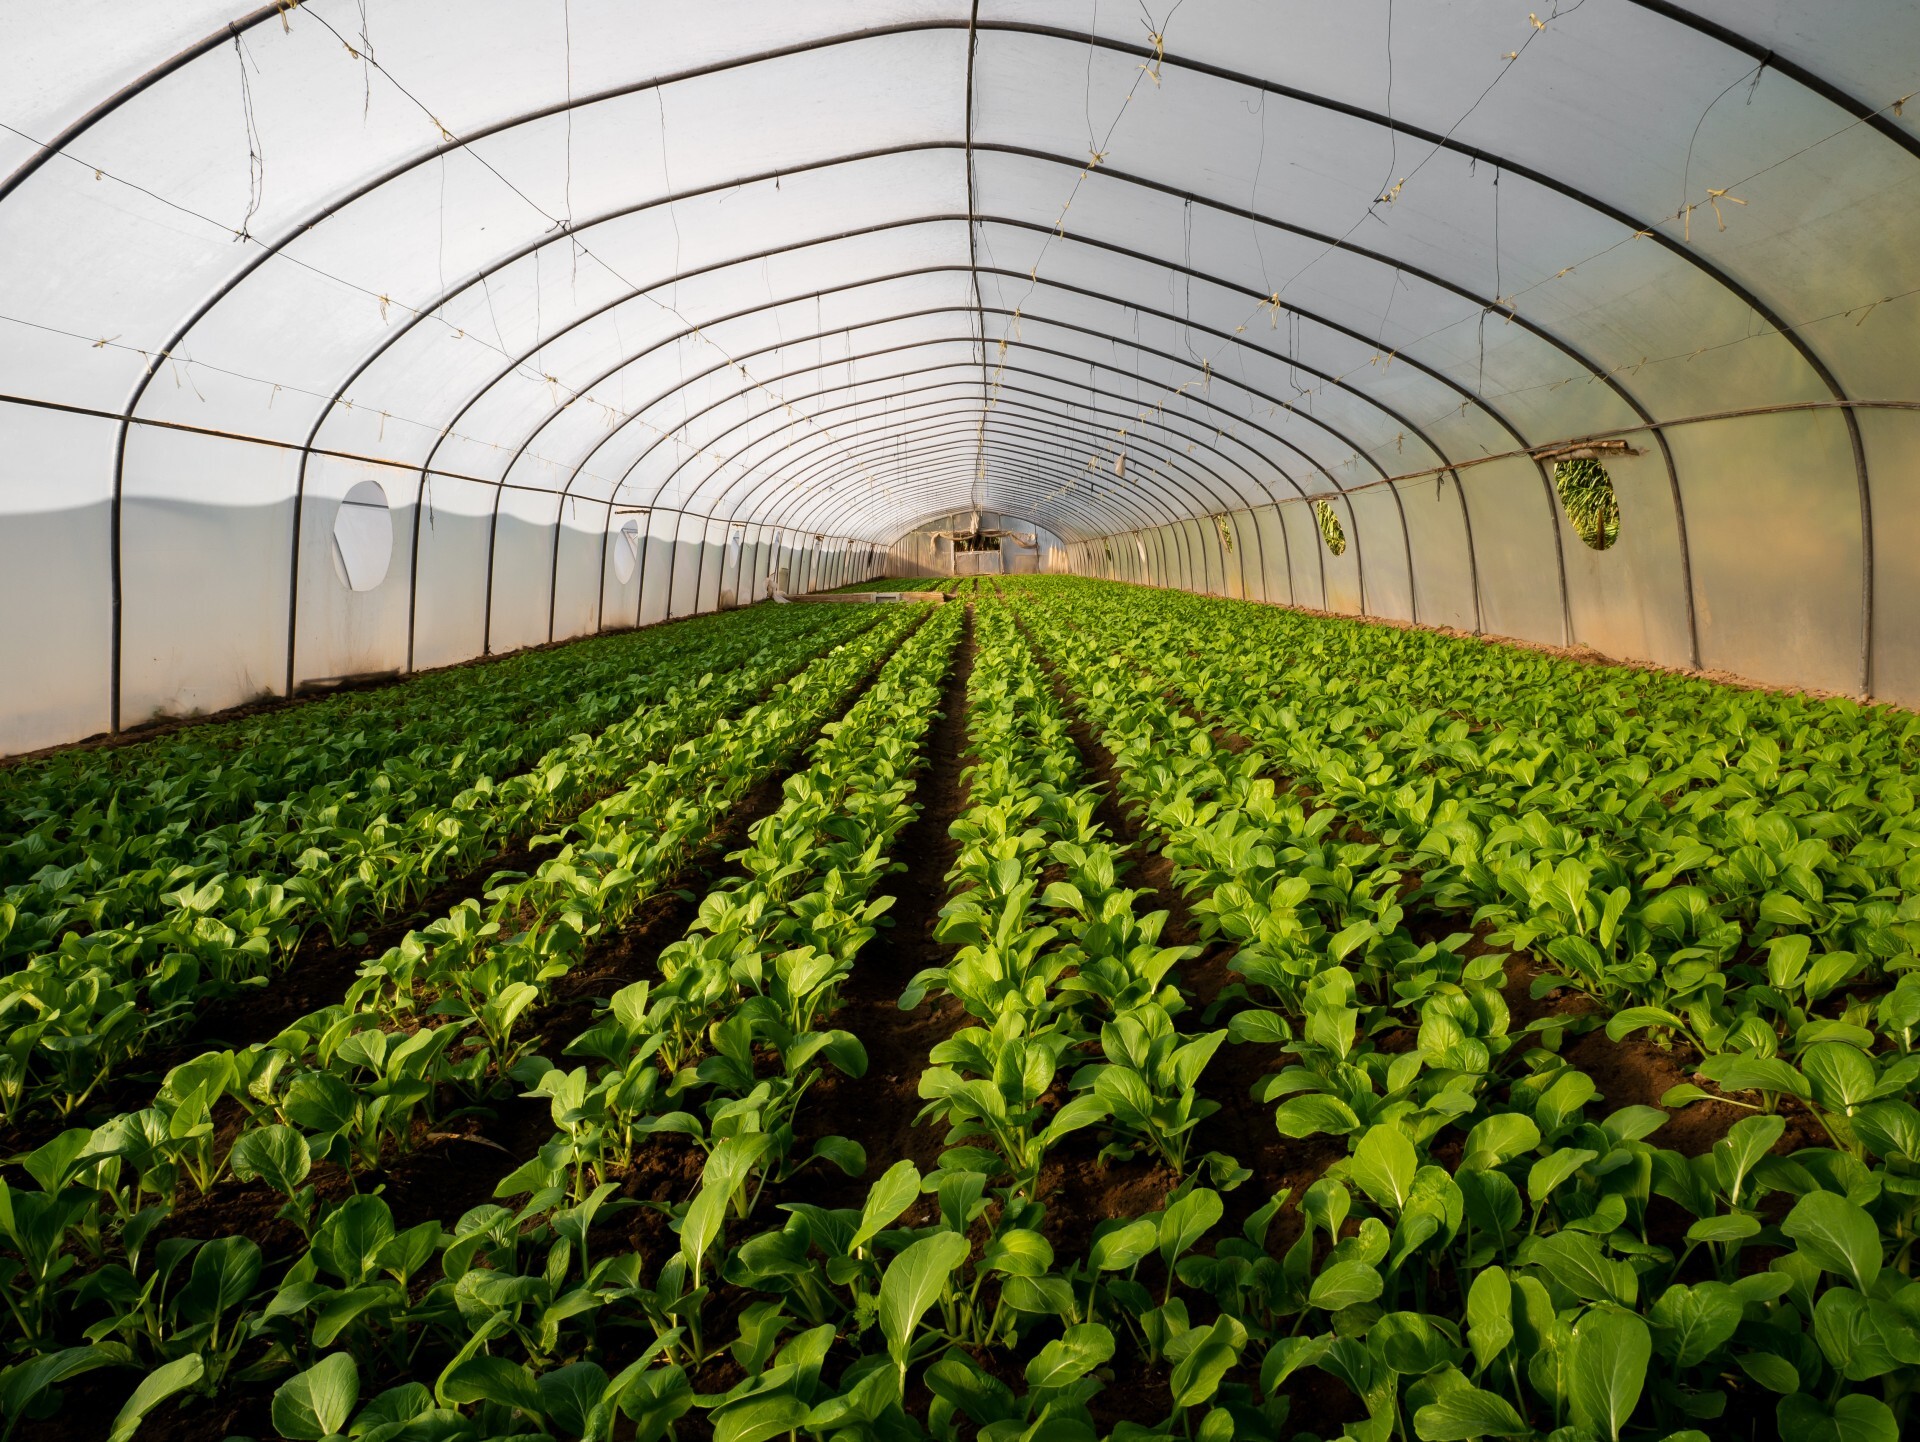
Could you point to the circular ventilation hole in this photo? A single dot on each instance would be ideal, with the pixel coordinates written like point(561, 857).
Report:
point(363, 537)
point(1586, 490)
point(626, 550)
point(1331, 531)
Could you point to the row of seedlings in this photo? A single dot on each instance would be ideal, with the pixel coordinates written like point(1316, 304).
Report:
point(90, 839)
point(337, 858)
point(1053, 971)
point(157, 793)
point(1736, 1291)
point(353, 1084)
point(1659, 893)
point(718, 1054)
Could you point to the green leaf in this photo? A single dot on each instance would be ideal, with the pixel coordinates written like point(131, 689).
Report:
point(1345, 1283)
point(1553, 1169)
point(844, 1153)
point(1891, 1129)
point(1187, 1220)
point(276, 1155)
point(912, 1283)
point(1576, 1262)
point(1498, 1139)
point(342, 1309)
point(887, 1198)
point(1770, 1370)
point(1634, 1018)
point(318, 1401)
point(1745, 1145)
point(21, 1385)
point(499, 1380)
point(1083, 1111)
point(568, 1395)
point(1734, 1227)
point(1854, 1418)
point(1692, 1323)
point(1836, 1236)
point(1315, 1115)
point(1197, 1375)
point(161, 1383)
point(756, 1419)
point(1736, 1072)
point(1841, 1075)
point(1071, 1356)
point(1120, 1248)
point(1287, 1356)
point(1685, 1094)
point(1412, 1344)
point(1018, 1252)
point(1252, 1024)
point(726, 1168)
point(347, 1242)
point(1465, 1413)
point(1608, 1369)
point(1845, 1326)
point(1489, 1315)
point(1384, 1164)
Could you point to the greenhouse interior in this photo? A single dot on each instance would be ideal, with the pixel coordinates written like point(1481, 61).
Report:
point(960, 719)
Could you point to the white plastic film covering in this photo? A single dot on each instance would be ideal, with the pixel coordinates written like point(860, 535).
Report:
point(779, 282)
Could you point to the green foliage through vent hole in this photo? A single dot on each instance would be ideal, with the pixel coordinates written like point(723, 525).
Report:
point(1586, 490)
point(1331, 531)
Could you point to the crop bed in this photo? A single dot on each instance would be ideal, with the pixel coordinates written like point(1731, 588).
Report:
point(1073, 1011)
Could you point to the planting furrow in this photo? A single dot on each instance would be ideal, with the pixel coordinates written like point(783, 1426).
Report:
point(878, 1110)
point(1035, 866)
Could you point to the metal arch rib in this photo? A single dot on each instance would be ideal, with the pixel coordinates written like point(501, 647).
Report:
point(1141, 256)
point(1015, 472)
point(1811, 358)
point(1827, 90)
point(72, 131)
point(761, 495)
point(1025, 483)
point(1029, 346)
point(1020, 393)
point(1155, 261)
point(1044, 350)
point(823, 473)
point(901, 348)
point(394, 337)
point(753, 515)
point(865, 443)
point(1365, 398)
point(1036, 349)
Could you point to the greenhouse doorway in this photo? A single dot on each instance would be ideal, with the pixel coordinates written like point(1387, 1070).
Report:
point(978, 563)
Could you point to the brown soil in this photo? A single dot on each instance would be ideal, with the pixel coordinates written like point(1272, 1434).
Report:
point(878, 1110)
